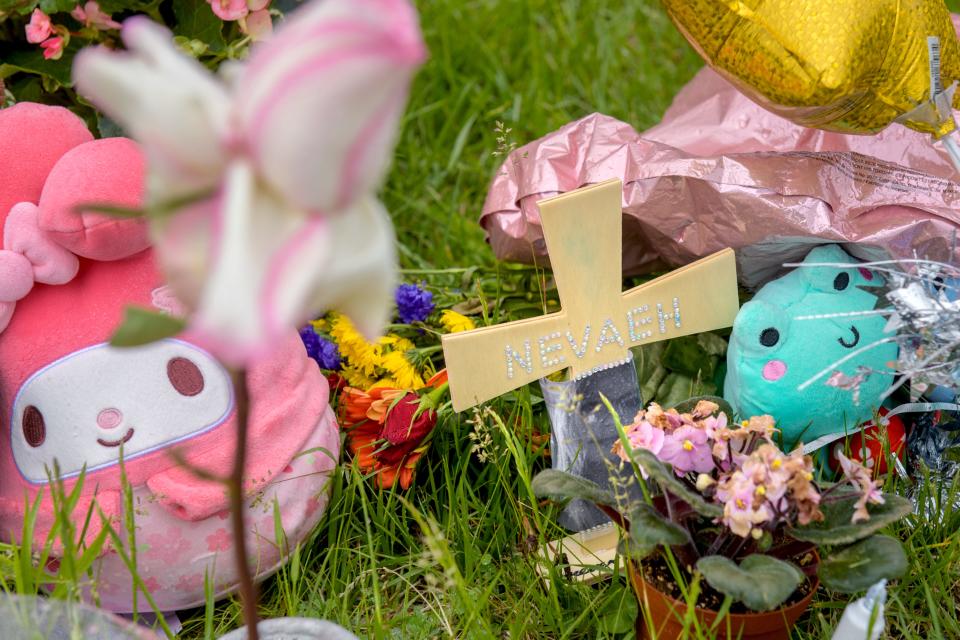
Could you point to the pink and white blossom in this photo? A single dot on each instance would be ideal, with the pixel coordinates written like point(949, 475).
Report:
point(280, 164)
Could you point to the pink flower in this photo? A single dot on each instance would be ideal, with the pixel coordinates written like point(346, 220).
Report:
point(52, 48)
point(237, 9)
point(641, 435)
point(92, 16)
point(743, 509)
point(860, 476)
point(687, 449)
point(39, 27)
point(219, 540)
point(229, 9)
point(646, 436)
point(258, 25)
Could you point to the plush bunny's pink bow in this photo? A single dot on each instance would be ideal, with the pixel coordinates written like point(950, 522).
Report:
point(28, 256)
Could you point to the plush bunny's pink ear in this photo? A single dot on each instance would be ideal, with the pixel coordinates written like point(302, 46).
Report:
point(102, 172)
point(32, 138)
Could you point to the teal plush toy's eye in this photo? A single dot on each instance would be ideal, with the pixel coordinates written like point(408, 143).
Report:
point(841, 281)
point(769, 337)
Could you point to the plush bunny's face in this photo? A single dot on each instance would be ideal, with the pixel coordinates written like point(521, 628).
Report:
point(813, 319)
point(81, 408)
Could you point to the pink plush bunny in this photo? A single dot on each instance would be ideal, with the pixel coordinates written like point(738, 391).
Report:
point(69, 397)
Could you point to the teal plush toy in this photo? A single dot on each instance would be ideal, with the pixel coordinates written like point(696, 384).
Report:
point(773, 350)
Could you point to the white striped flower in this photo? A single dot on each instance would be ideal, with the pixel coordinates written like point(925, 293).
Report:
point(274, 164)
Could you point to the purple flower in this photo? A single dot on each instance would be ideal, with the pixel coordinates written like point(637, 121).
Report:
point(413, 303)
point(687, 449)
point(326, 353)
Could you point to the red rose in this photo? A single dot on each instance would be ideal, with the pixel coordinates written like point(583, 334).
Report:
point(336, 381)
point(402, 431)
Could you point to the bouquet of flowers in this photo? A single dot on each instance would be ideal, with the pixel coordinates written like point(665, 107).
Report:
point(747, 516)
point(389, 391)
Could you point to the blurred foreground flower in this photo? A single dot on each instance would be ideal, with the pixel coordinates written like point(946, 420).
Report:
point(260, 185)
point(388, 429)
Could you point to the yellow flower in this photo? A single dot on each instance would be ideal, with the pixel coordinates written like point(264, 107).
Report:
point(401, 371)
point(454, 322)
point(356, 378)
point(363, 355)
point(320, 324)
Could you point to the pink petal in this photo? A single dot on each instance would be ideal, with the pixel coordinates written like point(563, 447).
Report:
point(344, 66)
point(167, 101)
point(259, 25)
point(52, 48)
point(229, 10)
point(39, 27)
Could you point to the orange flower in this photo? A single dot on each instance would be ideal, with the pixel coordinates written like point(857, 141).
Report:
point(439, 378)
point(388, 429)
point(389, 475)
point(356, 406)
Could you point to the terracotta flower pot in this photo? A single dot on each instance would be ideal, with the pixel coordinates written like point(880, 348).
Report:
point(667, 613)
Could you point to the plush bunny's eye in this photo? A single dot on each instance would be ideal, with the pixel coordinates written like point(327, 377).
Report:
point(769, 337)
point(34, 428)
point(185, 376)
point(841, 281)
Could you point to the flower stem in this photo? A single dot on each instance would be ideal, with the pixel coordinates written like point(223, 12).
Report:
point(248, 591)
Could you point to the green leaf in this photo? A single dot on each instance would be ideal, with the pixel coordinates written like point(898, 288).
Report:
point(561, 486)
point(688, 405)
point(837, 528)
point(32, 61)
point(665, 476)
point(761, 582)
point(629, 548)
point(713, 344)
point(648, 527)
point(650, 371)
point(618, 611)
point(57, 6)
point(116, 6)
point(677, 387)
point(142, 326)
point(685, 355)
point(108, 128)
point(196, 20)
point(857, 567)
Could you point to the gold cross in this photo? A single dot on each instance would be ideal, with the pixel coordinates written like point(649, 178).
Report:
point(597, 323)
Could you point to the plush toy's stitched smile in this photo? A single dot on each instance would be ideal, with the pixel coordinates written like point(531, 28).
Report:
point(856, 339)
point(116, 443)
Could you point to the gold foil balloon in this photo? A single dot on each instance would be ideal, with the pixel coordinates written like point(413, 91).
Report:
point(852, 66)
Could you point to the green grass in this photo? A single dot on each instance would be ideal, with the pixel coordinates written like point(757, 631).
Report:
point(452, 556)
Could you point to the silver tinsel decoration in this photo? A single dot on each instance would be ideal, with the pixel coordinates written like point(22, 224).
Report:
point(924, 319)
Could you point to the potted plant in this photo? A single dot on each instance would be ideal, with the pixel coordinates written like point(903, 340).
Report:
point(731, 520)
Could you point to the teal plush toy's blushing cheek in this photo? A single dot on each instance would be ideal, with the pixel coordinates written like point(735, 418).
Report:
point(774, 370)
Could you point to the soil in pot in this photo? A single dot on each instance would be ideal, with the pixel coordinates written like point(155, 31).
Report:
point(662, 601)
